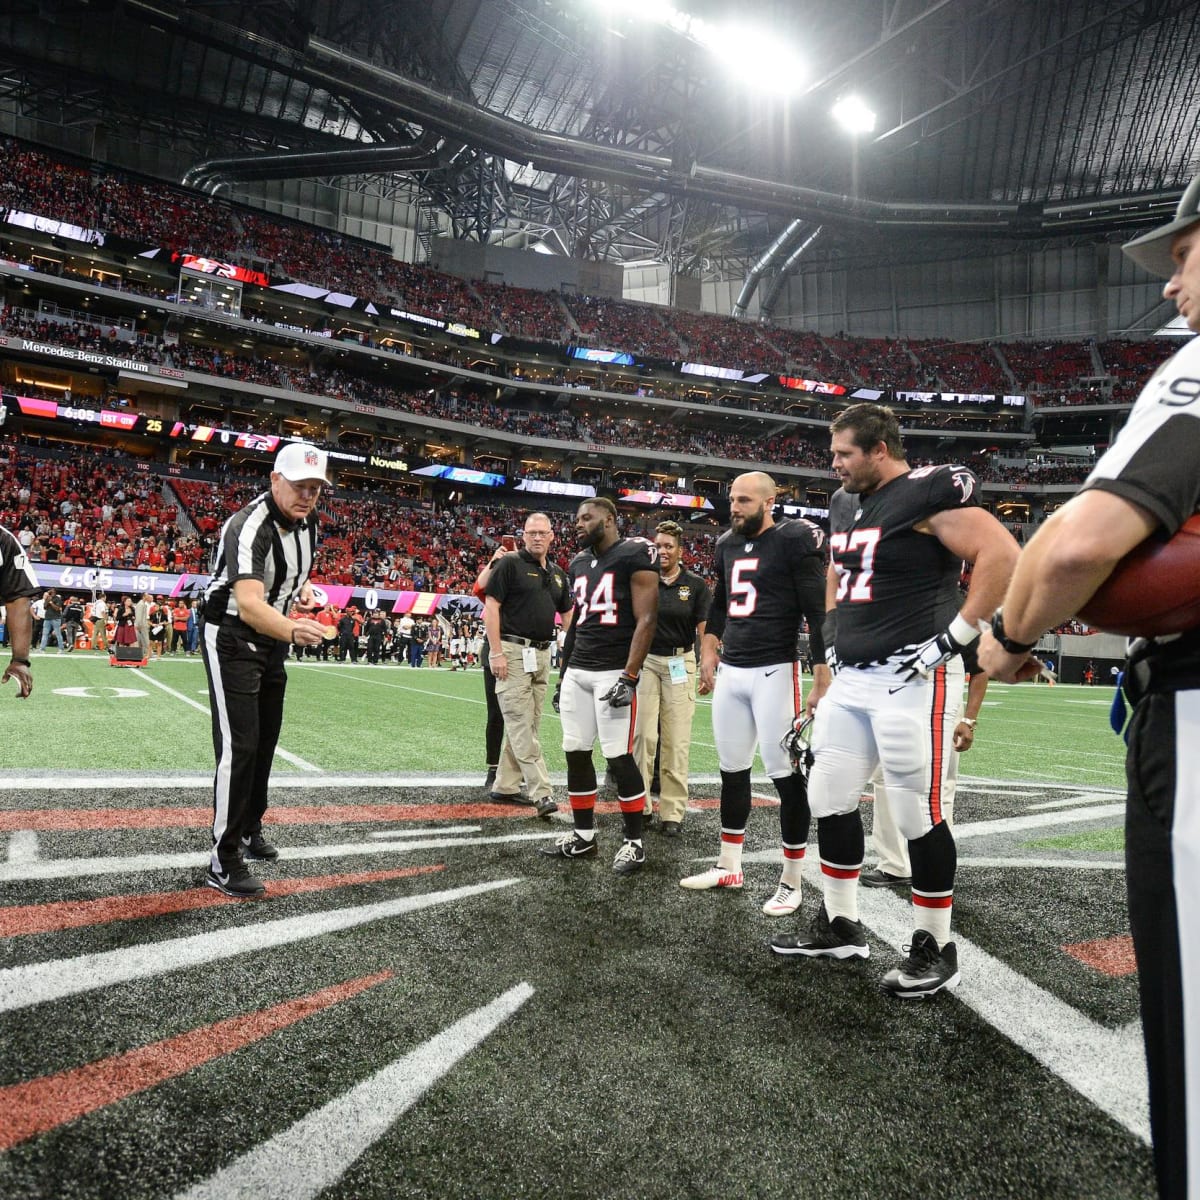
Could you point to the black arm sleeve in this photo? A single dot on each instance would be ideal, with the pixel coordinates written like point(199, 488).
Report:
point(565, 656)
point(829, 629)
point(811, 589)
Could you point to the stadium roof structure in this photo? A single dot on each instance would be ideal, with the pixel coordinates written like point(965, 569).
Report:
point(580, 127)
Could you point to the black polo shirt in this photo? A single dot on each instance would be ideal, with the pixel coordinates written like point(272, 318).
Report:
point(682, 605)
point(529, 596)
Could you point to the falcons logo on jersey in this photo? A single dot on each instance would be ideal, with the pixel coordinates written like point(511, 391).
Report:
point(965, 482)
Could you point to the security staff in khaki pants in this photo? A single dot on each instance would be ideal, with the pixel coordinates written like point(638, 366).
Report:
point(893, 868)
point(667, 690)
point(522, 596)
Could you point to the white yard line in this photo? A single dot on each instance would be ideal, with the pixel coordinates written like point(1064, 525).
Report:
point(23, 846)
point(1107, 1066)
point(294, 759)
point(315, 1152)
point(36, 983)
point(80, 868)
point(1041, 820)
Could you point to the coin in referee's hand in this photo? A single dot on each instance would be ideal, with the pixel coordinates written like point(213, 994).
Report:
point(328, 632)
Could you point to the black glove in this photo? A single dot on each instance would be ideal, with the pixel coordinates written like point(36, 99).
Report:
point(556, 699)
point(621, 694)
point(930, 655)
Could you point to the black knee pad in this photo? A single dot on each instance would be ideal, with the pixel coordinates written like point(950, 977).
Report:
point(581, 772)
point(840, 839)
point(626, 776)
point(794, 814)
point(934, 859)
point(735, 799)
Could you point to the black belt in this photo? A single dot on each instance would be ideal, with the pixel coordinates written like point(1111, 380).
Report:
point(520, 641)
point(674, 651)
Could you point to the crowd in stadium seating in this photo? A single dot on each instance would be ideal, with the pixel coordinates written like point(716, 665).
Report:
point(81, 507)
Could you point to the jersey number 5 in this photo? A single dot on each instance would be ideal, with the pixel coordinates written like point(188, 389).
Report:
point(743, 594)
point(855, 586)
point(602, 599)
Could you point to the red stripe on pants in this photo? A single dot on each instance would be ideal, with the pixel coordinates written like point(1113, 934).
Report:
point(938, 738)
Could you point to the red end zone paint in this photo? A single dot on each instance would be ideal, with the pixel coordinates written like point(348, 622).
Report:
point(71, 914)
point(67, 819)
point(28, 1109)
point(1110, 956)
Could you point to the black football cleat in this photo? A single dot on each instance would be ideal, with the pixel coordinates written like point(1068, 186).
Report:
point(878, 879)
point(926, 971)
point(839, 938)
point(570, 845)
point(629, 858)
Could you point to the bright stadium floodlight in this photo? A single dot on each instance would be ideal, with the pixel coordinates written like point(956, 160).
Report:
point(852, 114)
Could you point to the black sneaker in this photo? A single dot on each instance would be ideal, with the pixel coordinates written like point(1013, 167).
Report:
point(256, 848)
point(490, 781)
point(879, 879)
point(926, 971)
point(670, 828)
point(545, 806)
point(631, 857)
point(508, 798)
point(570, 845)
point(839, 938)
point(234, 880)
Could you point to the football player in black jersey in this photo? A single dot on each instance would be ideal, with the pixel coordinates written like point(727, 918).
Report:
point(898, 539)
point(615, 581)
point(769, 577)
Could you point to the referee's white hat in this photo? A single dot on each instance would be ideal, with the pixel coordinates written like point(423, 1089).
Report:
point(1152, 250)
point(298, 461)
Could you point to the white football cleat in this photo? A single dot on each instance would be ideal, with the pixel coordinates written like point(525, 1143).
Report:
point(714, 877)
point(785, 901)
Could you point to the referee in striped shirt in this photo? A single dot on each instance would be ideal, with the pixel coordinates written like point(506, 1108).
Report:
point(260, 570)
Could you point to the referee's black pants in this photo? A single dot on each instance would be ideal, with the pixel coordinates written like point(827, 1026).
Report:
point(246, 683)
point(1162, 861)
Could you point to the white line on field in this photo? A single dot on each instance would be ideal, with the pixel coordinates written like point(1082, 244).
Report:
point(1051, 864)
point(1107, 1066)
point(77, 868)
point(1082, 798)
point(427, 831)
point(35, 983)
point(23, 846)
point(294, 759)
point(315, 1152)
point(1035, 821)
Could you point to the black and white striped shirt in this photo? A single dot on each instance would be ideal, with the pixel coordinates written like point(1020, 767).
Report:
point(258, 542)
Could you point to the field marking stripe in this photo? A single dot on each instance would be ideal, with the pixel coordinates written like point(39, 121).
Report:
point(81, 868)
point(75, 819)
point(1053, 864)
point(1106, 1066)
point(22, 844)
point(40, 1105)
point(37, 983)
point(315, 1152)
point(287, 756)
point(423, 832)
point(1039, 820)
point(21, 919)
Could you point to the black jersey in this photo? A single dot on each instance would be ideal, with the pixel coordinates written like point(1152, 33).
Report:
point(765, 586)
point(603, 589)
point(17, 580)
point(896, 587)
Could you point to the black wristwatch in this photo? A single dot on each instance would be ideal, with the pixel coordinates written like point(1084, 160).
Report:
point(1006, 643)
point(18, 662)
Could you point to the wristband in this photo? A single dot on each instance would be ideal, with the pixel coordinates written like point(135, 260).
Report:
point(962, 631)
point(1006, 643)
point(18, 662)
point(967, 721)
point(631, 679)
point(496, 654)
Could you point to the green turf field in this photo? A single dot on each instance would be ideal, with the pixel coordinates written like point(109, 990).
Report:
point(343, 718)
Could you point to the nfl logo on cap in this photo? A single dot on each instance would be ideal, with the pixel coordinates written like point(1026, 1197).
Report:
point(300, 461)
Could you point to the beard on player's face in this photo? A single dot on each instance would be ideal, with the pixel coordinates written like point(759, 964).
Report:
point(750, 523)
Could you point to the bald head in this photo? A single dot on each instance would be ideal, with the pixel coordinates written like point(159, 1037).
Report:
point(751, 501)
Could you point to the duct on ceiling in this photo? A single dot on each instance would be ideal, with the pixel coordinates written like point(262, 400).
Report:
point(408, 156)
point(777, 247)
point(767, 305)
